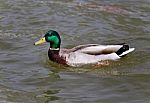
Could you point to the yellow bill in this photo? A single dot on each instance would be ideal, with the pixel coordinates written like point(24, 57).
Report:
point(41, 41)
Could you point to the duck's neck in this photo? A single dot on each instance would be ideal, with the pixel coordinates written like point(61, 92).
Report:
point(54, 46)
point(54, 49)
point(55, 42)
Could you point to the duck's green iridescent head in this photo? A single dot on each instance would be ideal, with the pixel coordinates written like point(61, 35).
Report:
point(52, 37)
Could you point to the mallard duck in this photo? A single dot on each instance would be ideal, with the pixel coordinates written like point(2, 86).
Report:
point(82, 54)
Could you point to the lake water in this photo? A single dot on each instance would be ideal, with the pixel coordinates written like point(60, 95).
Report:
point(26, 74)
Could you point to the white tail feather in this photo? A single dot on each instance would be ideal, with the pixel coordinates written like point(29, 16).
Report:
point(126, 52)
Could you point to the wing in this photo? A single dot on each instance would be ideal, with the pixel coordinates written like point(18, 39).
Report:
point(81, 47)
point(100, 49)
point(96, 49)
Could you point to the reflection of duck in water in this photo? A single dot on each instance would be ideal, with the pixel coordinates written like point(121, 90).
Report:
point(82, 54)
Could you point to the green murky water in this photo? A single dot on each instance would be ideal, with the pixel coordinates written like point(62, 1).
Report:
point(26, 74)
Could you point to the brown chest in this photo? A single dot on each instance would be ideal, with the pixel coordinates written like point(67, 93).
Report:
point(54, 56)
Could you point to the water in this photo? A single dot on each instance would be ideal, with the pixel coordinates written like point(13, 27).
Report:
point(26, 74)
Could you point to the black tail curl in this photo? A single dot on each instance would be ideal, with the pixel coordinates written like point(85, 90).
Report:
point(124, 48)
